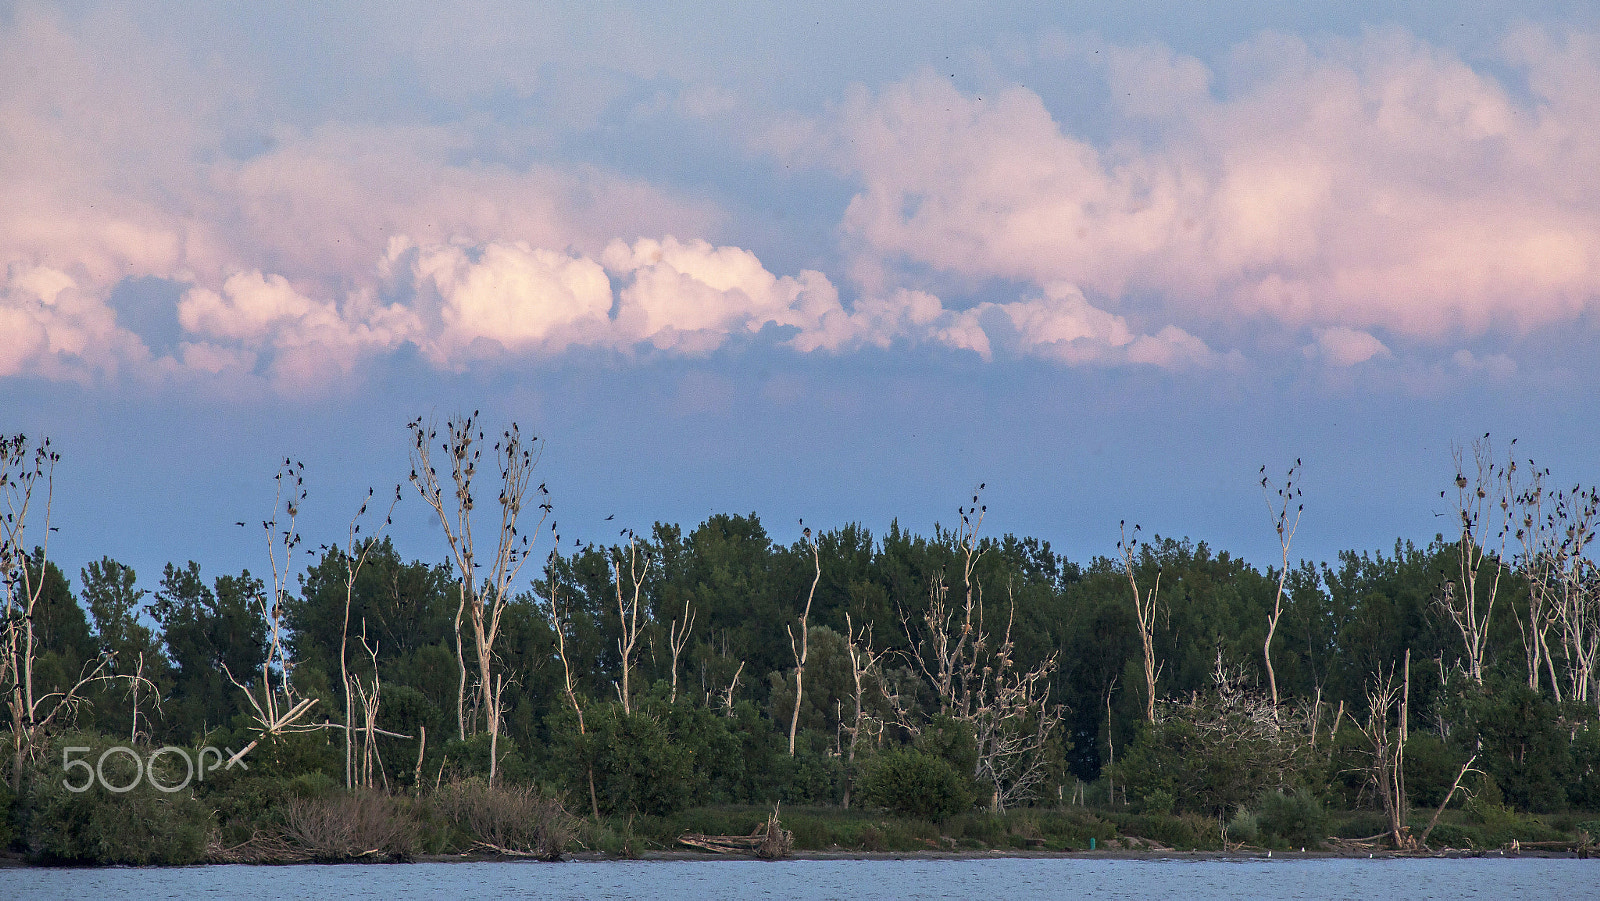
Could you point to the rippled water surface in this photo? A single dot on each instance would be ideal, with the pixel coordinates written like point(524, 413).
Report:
point(811, 880)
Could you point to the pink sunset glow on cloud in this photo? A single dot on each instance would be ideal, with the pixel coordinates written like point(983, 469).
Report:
point(1380, 183)
point(1363, 196)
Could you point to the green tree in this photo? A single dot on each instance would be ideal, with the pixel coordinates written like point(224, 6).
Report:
point(209, 631)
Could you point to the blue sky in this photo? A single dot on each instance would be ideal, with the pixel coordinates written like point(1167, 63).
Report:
point(799, 259)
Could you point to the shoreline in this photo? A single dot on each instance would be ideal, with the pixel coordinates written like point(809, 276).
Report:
point(17, 861)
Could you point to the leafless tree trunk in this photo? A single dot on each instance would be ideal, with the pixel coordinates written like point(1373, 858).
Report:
point(1286, 529)
point(1574, 587)
point(21, 474)
point(1469, 602)
point(1538, 566)
point(558, 621)
point(862, 664)
point(354, 556)
point(1387, 771)
point(628, 610)
point(678, 639)
point(277, 706)
point(733, 686)
point(1009, 711)
point(804, 644)
point(1454, 787)
point(1144, 610)
point(484, 597)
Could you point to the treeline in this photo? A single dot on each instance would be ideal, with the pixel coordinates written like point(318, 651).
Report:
point(924, 673)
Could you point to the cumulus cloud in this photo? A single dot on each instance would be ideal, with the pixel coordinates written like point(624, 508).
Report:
point(1355, 184)
point(1341, 190)
point(124, 157)
point(1345, 347)
point(50, 326)
point(256, 312)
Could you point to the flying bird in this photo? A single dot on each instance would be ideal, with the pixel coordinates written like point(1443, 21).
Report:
point(611, 517)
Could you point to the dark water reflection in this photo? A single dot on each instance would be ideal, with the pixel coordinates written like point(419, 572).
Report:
point(808, 880)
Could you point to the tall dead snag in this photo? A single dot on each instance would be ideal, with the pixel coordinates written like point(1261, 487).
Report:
point(678, 639)
point(278, 709)
point(371, 695)
point(485, 585)
point(1484, 513)
point(559, 622)
point(863, 663)
point(1537, 516)
point(354, 556)
point(638, 560)
point(1144, 610)
point(804, 644)
point(979, 683)
point(27, 487)
point(1554, 528)
point(1386, 772)
point(1286, 529)
point(1574, 589)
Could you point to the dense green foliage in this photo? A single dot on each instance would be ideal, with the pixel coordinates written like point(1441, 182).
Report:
point(710, 726)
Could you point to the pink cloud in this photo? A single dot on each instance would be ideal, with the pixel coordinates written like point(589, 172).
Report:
point(112, 163)
point(1377, 183)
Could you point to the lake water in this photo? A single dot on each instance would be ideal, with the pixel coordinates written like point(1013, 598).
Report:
point(819, 880)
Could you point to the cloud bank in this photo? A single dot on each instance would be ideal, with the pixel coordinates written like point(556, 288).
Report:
point(1364, 198)
point(1374, 184)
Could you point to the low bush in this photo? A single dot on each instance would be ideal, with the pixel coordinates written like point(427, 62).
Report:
point(506, 819)
point(1292, 820)
point(351, 827)
point(915, 783)
point(139, 826)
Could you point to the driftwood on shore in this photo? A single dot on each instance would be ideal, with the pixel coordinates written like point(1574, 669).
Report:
point(769, 841)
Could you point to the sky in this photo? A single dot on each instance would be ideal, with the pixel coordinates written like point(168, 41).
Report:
point(814, 262)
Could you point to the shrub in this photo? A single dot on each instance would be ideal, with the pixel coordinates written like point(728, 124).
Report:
point(915, 783)
point(1243, 828)
point(506, 819)
point(1291, 820)
point(350, 827)
point(138, 827)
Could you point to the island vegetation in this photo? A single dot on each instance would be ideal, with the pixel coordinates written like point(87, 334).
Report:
point(517, 695)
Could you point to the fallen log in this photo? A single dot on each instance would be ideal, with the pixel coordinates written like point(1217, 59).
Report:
point(769, 841)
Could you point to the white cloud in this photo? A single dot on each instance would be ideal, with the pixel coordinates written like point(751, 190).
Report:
point(1372, 183)
point(1346, 347)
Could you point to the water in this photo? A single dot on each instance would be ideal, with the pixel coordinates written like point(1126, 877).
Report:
point(823, 880)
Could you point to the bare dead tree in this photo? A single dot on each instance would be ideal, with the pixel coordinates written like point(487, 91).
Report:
point(276, 705)
point(1386, 773)
point(27, 495)
point(863, 664)
point(1454, 787)
point(1576, 588)
point(1536, 522)
point(483, 595)
point(1286, 528)
point(354, 556)
point(804, 644)
point(638, 561)
point(559, 622)
point(24, 471)
point(678, 639)
point(733, 686)
point(1144, 610)
point(979, 682)
point(1484, 513)
point(371, 695)
point(1013, 724)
